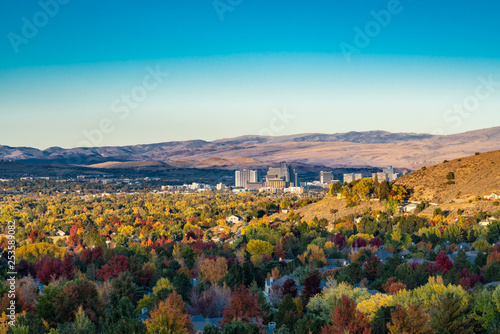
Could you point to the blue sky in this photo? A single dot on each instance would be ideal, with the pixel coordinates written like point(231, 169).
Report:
point(235, 66)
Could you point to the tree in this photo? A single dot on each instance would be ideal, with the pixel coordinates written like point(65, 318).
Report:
point(289, 288)
point(287, 313)
point(411, 321)
point(257, 249)
point(170, 317)
point(238, 327)
point(121, 317)
point(244, 306)
point(212, 270)
point(346, 319)
point(311, 287)
point(116, 265)
point(444, 262)
point(449, 316)
point(381, 319)
point(77, 293)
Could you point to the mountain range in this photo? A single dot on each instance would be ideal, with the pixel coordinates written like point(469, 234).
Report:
point(372, 148)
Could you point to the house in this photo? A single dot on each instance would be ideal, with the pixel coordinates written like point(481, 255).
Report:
point(487, 221)
point(471, 255)
point(271, 281)
point(233, 219)
point(463, 245)
point(404, 253)
point(199, 322)
point(326, 269)
point(416, 260)
point(410, 207)
point(383, 254)
point(60, 233)
point(492, 196)
point(338, 262)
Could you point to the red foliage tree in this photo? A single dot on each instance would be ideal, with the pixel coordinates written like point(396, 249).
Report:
point(95, 254)
point(116, 265)
point(37, 236)
point(48, 269)
point(311, 287)
point(376, 242)
point(347, 319)
point(359, 242)
point(289, 288)
point(340, 241)
point(371, 266)
point(244, 306)
point(444, 262)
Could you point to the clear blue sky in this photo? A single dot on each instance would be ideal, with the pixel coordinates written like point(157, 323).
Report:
point(232, 65)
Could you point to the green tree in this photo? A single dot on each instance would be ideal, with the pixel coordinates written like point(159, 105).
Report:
point(121, 317)
point(287, 312)
point(449, 316)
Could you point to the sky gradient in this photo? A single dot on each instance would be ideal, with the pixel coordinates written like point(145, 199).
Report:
point(236, 67)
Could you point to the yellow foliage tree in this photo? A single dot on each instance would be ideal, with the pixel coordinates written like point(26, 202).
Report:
point(32, 252)
point(257, 249)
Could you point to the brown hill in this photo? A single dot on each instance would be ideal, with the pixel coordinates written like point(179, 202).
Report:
point(474, 176)
point(129, 164)
point(374, 148)
point(332, 208)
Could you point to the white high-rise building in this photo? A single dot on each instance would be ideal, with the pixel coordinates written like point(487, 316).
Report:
point(241, 177)
point(325, 177)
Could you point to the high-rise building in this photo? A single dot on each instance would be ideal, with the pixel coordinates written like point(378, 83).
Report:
point(286, 173)
point(348, 178)
point(241, 177)
point(380, 176)
point(325, 177)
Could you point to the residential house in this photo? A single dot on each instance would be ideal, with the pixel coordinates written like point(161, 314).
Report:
point(383, 254)
point(233, 219)
point(493, 196)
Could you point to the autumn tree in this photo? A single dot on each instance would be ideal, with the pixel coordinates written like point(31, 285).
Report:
point(243, 306)
point(116, 265)
point(444, 262)
point(289, 288)
point(212, 270)
point(411, 321)
point(259, 248)
point(170, 317)
point(393, 285)
point(346, 319)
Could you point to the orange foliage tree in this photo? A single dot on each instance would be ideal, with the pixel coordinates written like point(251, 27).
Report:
point(170, 316)
point(413, 321)
point(244, 306)
point(346, 319)
point(212, 270)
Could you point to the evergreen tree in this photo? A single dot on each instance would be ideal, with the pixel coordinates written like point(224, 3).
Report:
point(449, 316)
point(287, 313)
point(121, 317)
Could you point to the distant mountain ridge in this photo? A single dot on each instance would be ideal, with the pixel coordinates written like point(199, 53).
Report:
point(371, 148)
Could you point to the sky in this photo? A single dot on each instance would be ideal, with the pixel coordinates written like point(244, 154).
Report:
point(93, 73)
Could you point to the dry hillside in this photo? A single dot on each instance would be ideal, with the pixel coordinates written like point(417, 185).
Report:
point(475, 175)
point(323, 209)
